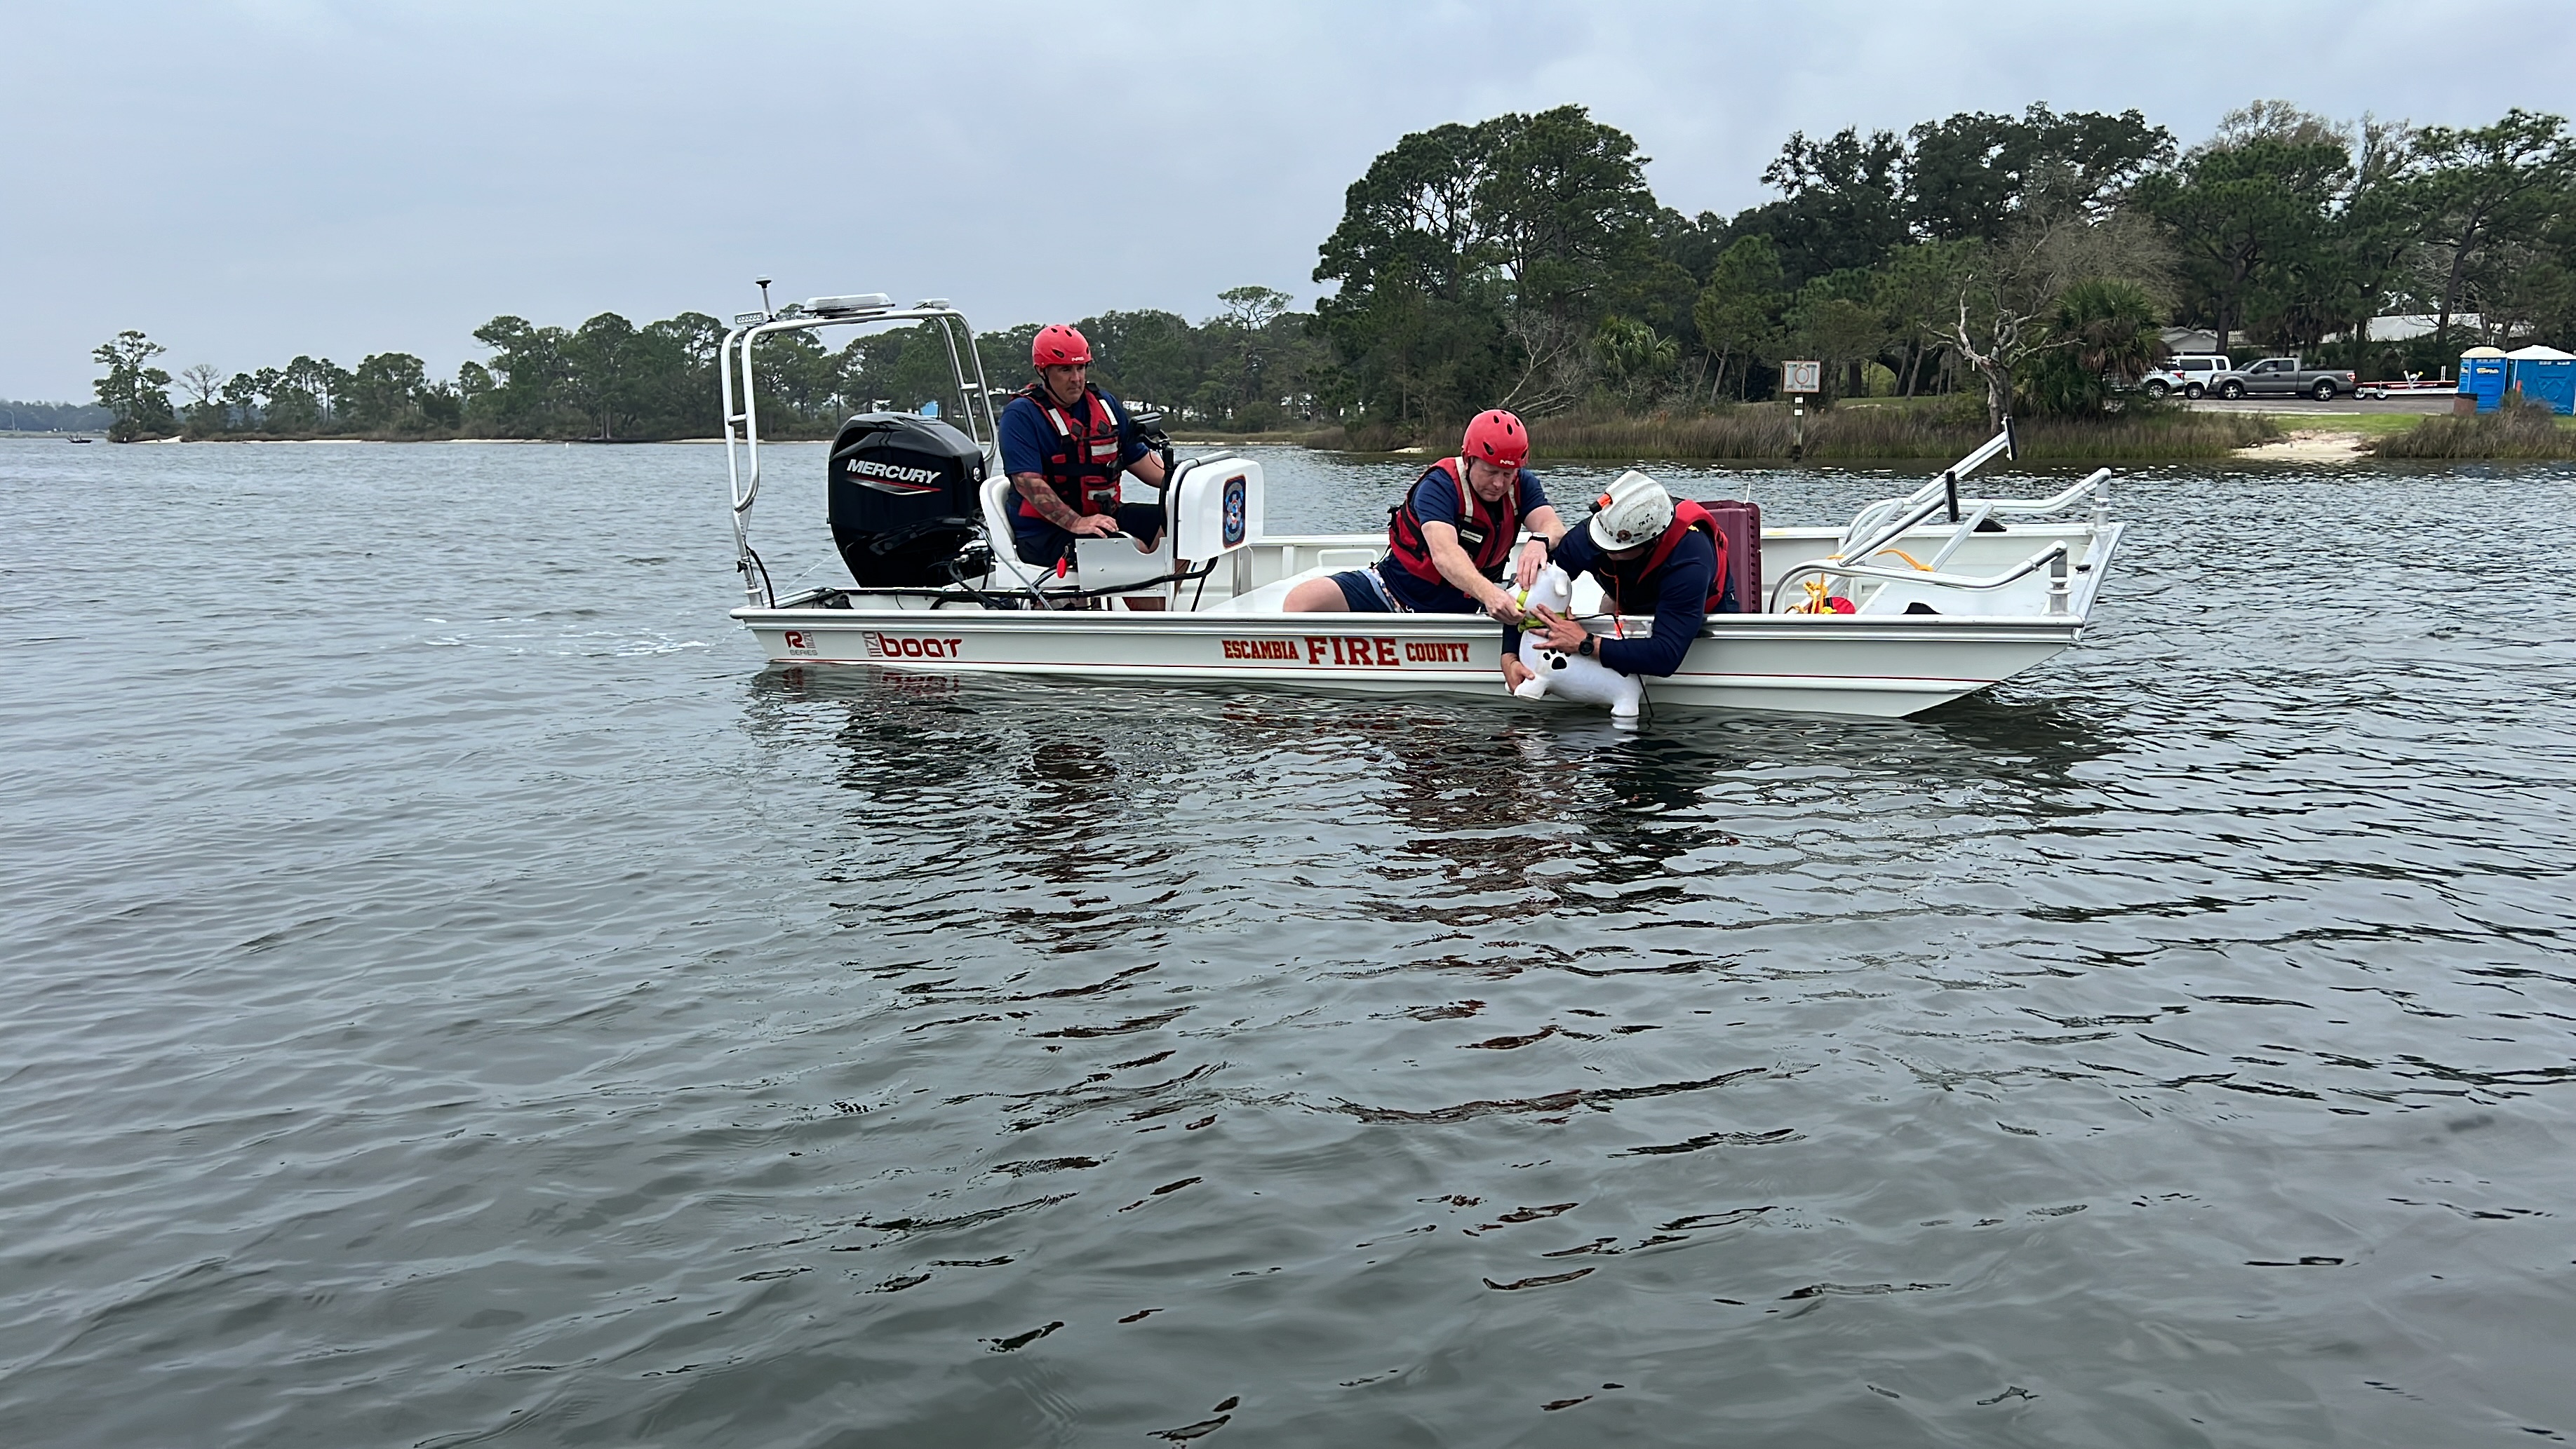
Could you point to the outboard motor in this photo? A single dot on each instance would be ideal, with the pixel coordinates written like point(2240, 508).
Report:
point(905, 500)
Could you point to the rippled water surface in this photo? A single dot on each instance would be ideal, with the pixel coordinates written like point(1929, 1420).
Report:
point(455, 994)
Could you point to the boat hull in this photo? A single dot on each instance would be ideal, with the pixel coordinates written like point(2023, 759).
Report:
point(1877, 663)
point(1882, 667)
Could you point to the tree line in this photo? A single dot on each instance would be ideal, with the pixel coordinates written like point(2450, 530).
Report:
point(1246, 368)
point(43, 417)
point(2030, 261)
point(2034, 258)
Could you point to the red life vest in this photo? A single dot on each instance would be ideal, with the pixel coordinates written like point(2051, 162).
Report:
point(1686, 517)
point(1485, 530)
point(1082, 467)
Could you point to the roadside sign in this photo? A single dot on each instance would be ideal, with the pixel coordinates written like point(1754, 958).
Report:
point(1802, 377)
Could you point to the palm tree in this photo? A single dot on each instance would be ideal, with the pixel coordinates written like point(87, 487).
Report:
point(1633, 353)
point(2110, 326)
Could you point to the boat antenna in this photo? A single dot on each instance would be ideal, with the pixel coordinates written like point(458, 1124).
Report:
point(763, 283)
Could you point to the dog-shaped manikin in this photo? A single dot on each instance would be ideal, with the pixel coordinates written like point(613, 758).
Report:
point(1571, 676)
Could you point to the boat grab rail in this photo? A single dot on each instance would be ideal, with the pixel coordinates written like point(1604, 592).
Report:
point(1948, 478)
point(742, 419)
point(1968, 514)
point(1943, 488)
point(2053, 558)
point(742, 426)
point(964, 592)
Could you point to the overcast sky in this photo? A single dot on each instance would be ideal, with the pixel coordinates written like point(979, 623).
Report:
point(250, 179)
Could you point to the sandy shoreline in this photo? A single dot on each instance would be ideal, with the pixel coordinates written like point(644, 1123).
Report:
point(2310, 445)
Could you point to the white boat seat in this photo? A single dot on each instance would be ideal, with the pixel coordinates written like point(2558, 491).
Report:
point(1099, 563)
point(995, 496)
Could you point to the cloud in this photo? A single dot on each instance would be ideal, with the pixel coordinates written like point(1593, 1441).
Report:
point(254, 180)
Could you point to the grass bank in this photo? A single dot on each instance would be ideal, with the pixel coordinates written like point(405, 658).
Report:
point(2520, 432)
point(1207, 439)
point(1857, 432)
point(2363, 427)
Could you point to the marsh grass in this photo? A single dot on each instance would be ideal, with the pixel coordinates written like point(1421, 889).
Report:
point(1856, 433)
point(1211, 438)
point(2523, 431)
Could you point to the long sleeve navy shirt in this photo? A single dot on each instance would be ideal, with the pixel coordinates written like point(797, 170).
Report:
point(1679, 589)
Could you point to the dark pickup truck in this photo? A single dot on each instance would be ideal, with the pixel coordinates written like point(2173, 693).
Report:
point(2283, 377)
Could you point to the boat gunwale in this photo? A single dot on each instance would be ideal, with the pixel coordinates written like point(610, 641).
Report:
point(2091, 570)
point(1152, 623)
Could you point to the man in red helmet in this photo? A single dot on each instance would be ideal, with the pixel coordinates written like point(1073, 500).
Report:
point(1064, 445)
point(1449, 540)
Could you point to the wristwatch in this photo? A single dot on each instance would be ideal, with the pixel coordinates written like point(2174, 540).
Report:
point(1589, 646)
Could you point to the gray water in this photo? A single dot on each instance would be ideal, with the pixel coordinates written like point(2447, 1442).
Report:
point(456, 994)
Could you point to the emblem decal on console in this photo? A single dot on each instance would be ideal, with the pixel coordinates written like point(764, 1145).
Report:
point(1235, 510)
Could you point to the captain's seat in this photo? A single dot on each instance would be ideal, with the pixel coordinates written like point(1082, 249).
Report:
point(1098, 563)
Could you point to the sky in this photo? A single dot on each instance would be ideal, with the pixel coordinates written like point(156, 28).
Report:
point(246, 180)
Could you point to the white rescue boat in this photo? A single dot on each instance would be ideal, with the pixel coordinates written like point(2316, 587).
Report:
point(1917, 600)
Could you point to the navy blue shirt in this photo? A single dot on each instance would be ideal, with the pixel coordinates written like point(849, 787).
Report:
point(1027, 439)
point(1435, 500)
point(1679, 590)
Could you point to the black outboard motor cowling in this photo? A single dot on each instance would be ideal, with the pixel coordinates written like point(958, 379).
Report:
point(904, 498)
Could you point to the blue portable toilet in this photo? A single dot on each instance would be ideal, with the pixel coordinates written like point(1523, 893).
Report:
point(2482, 375)
point(2546, 376)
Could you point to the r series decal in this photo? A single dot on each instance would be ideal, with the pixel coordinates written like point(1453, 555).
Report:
point(1369, 653)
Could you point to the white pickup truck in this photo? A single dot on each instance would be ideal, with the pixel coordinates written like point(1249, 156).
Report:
point(2283, 377)
point(2187, 373)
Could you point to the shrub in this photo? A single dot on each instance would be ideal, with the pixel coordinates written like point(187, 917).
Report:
point(2518, 430)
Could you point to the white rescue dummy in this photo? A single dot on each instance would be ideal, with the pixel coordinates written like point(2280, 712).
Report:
point(1571, 676)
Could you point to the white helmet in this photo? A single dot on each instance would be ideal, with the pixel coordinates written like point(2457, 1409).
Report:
point(1635, 511)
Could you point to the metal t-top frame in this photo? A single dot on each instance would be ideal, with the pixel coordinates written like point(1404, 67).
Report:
point(742, 418)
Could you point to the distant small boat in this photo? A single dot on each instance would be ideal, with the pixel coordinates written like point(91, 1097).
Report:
point(80, 440)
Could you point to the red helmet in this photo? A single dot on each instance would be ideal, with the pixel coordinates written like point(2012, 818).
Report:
point(1498, 438)
point(1059, 346)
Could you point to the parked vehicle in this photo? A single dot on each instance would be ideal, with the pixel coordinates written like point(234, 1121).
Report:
point(2408, 386)
point(2284, 377)
point(2187, 373)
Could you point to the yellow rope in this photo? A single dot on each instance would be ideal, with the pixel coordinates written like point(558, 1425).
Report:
point(1919, 564)
point(1818, 589)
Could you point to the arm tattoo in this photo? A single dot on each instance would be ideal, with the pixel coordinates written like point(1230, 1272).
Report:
point(1043, 499)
